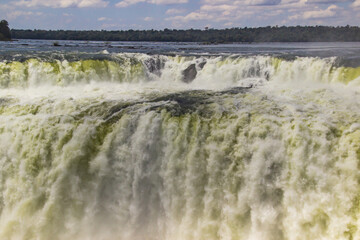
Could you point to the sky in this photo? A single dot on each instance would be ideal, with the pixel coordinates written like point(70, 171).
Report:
point(175, 14)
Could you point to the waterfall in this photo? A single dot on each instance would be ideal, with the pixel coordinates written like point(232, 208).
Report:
point(253, 148)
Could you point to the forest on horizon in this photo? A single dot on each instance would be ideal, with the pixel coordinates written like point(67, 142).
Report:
point(246, 35)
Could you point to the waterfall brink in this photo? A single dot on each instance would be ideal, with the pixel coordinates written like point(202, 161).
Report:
point(142, 147)
point(135, 68)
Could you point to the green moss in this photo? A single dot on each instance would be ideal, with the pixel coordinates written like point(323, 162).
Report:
point(276, 62)
point(347, 74)
point(13, 74)
point(320, 220)
point(352, 229)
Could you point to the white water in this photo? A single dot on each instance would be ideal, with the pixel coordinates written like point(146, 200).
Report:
point(110, 154)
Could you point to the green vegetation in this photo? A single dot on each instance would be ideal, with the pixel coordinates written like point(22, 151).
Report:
point(261, 34)
point(5, 33)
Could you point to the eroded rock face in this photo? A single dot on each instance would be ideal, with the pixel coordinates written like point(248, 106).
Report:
point(155, 66)
point(189, 74)
point(202, 64)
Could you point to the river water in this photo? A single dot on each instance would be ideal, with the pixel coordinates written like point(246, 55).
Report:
point(179, 141)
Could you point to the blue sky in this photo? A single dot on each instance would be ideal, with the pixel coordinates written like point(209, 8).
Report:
point(179, 14)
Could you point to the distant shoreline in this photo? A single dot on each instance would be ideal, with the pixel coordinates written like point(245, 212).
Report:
point(208, 36)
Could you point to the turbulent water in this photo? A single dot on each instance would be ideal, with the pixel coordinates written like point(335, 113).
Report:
point(140, 146)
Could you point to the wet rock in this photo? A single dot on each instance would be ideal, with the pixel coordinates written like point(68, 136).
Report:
point(267, 76)
point(154, 65)
point(201, 65)
point(189, 74)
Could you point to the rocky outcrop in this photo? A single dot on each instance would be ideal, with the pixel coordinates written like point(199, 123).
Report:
point(154, 65)
point(202, 64)
point(189, 74)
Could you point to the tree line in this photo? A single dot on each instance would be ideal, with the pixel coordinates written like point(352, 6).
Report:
point(5, 33)
point(259, 34)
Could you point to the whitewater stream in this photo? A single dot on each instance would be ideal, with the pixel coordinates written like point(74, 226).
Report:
point(179, 142)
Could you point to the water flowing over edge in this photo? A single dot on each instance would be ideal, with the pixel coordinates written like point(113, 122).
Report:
point(135, 68)
point(161, 147)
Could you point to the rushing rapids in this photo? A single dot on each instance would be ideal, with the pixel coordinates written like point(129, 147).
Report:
point(157, 147)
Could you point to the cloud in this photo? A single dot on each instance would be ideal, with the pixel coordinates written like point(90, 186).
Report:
point(16, 14)
point(285, 2)
point(218, 8)
point(329, 12)
point(173, 11)
point(191, 17)
point(356, 3)
point(217, 2)
point(148, 19)
point(227, 11)
point(92, 3)
point(327, 1)
point(262, 2)
point(62, 3)
point(265, 12)
point(101, 19)
point(317, 14)
point(274, 13)
point(112, 26)
point(6, 7)
point(244, 2)
point(126, 3)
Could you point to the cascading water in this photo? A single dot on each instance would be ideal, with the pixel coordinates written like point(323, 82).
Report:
point(157, 147)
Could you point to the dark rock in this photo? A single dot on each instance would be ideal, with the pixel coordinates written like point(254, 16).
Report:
point(189, 74)
point(154, 65)
point(201, 65)
point(267, 76)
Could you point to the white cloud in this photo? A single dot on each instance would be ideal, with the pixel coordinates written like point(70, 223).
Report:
point(329, 12)
point(148, 19)
point(327, 1)
point(274, 13)
point(218, 8)
point(217, 2)
point(6, 7)
point(284, 2)
point(101, 19)
point(16, 14)
point(173, 11)
point(262, 2)
point(356, 3)
point(228, 11)
point(245, 2)
point(168, 1)
point(317, 13)
point(194, 16)
point(126, 3)
point(92, 3)
point(263, 12)
point(62, 3)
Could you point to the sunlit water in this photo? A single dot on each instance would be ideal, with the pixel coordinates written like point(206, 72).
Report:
point(163, 141)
